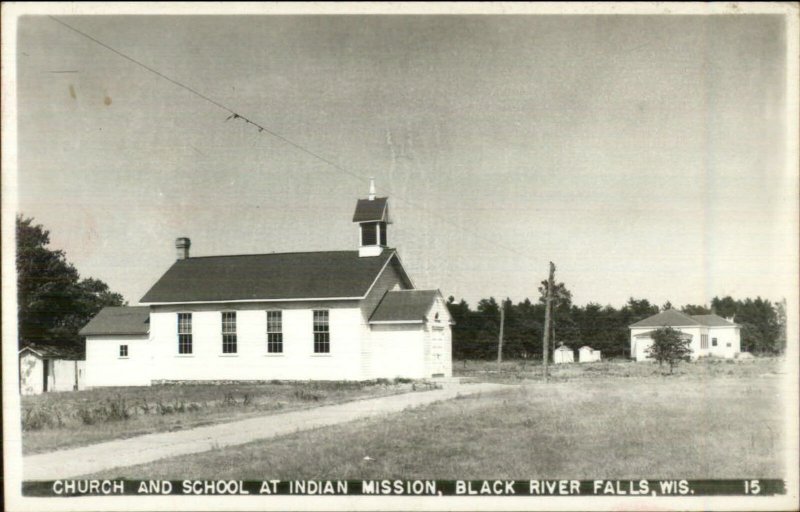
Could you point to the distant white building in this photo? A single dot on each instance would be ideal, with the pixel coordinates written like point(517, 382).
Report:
point(563, 354)
point(334, 315)
point(710, 335)
point(587, 354)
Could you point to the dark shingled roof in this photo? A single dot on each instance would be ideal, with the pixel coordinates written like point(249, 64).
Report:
point(118, 320)
point(670, 318)
point(299, 275)
point(650, 333)
point(374, 210)
point(674, 318)
point(712, 320)
point(404, 306)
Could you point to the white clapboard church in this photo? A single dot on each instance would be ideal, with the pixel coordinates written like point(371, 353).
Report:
point(333, 315)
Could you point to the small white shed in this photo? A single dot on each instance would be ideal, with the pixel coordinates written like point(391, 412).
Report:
point(587, 354)
point(563, 354)
point(45, 368)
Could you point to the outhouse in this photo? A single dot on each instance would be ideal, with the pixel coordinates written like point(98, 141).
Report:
point(587, 354)
point(563, 354)
point(44, 368)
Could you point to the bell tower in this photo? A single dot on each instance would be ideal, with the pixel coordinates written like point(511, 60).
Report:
point(372, 217)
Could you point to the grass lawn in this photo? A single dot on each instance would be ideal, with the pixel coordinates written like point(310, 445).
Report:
point(60, 420)
point(625, 421)
point(520, 371)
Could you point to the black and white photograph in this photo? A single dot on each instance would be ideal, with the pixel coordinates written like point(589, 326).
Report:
point(400, 256)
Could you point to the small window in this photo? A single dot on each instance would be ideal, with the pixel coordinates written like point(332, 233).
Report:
point(123, 351)
point(322, 335)
point(713, 342)
point(184, 333)
point(704, 341)
point(229, 332)
point(274, 332)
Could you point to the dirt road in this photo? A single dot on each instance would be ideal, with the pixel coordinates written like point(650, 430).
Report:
point(74, 462)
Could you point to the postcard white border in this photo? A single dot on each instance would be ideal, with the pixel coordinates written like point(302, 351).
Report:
point(11, 402)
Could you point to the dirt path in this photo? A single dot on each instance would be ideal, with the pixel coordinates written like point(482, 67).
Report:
point(139, 450)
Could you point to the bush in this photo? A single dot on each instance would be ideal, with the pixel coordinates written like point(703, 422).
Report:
point(86, 416)
point(308, 395)
point(116, 409)
point(39, 417)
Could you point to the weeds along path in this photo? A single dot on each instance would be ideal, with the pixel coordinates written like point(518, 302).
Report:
point(148, 448)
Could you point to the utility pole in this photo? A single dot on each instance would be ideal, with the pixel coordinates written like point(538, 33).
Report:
point(547, 313)
point(500, 339)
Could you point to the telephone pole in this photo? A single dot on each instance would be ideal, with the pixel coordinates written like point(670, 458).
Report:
point(500, 339)
point(547, 314)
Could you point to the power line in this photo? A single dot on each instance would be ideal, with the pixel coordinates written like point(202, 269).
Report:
point(261, 128)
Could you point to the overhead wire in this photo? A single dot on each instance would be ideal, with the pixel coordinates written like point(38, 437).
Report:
point(233, 115)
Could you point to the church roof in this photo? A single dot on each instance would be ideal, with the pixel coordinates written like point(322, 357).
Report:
point(370, 210)
point(404, 306)
point(118, 321)
point(281, 276)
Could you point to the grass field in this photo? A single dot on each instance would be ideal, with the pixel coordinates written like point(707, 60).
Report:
point(520, 371)
point(609, 420)
point(59, 420)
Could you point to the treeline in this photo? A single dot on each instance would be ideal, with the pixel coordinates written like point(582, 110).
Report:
point(53, 301)
point(604, 328)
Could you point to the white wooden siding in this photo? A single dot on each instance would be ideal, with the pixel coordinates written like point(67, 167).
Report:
point(387, 280)
point(31, 368)
point(398, 351)
point(105, 367)
point(442, 324)
point(252, 361)
point(725, 335)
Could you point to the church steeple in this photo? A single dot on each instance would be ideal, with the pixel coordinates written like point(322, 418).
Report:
point(372, 216)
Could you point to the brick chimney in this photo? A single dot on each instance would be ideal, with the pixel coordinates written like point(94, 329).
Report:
point(182, 245)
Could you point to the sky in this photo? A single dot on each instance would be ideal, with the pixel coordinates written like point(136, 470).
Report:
point(644, 155)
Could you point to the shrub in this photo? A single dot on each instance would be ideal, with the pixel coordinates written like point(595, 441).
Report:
point(39, 417)
point(116, 409)
point(308, 395)
point(86, 416)
point(164, 409)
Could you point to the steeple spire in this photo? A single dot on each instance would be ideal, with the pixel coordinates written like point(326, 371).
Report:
point(372, 189)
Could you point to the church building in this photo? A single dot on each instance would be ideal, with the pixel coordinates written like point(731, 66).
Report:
point(332, 315)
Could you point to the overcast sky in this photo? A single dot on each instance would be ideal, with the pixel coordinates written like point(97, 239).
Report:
point(644, 155)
